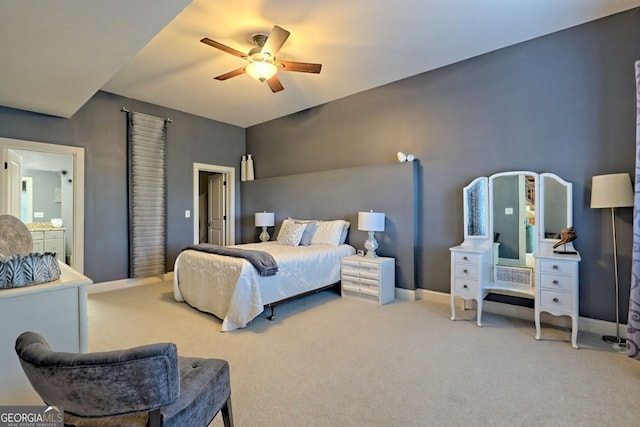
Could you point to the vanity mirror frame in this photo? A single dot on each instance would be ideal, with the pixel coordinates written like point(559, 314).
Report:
point(545, 243)
point(476, 194)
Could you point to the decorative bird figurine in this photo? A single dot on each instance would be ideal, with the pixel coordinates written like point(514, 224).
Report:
point(567, 235)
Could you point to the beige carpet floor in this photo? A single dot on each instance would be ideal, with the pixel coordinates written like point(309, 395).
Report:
point(331, 361)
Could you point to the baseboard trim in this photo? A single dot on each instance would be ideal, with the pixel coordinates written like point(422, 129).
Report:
point(586, 324)
point(115, 285)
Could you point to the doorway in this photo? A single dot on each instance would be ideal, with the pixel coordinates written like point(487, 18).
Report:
point(64, 169)
point(213, 204)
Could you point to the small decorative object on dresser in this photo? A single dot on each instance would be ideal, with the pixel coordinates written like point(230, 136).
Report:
point(566, 236)
point(371, 221)
point(371, 279)
point(264, 220)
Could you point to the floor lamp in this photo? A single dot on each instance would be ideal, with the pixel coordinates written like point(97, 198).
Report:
point(613, 191)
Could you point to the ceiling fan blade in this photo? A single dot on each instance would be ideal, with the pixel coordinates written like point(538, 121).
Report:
point(223, 48)
point(303, 67)
point(275, 41)
point(274, 84)
point(230, 74)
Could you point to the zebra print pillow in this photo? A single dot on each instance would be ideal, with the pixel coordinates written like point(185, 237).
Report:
point(18, 270)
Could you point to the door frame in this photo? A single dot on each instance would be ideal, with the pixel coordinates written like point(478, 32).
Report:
point(230, 177)
point(77, 155)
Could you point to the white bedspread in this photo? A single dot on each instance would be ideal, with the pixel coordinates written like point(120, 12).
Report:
point(232, 289)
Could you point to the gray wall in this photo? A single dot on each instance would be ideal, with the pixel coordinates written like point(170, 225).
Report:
point(100, 127)
point(341, 194)
point(564, 103)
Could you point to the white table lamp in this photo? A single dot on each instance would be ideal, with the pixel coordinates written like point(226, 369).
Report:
point(613, 191)
point(264, 220)
point(371, 222)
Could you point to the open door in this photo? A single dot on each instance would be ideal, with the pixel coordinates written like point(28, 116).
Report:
point(216, 210)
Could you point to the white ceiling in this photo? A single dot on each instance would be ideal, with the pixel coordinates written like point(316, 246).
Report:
point(57, 54)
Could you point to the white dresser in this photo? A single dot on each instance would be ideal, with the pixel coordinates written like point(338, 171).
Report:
point(557, 290)
point(57, 310)
point(50, 240)
point(372, 279)
point(470, 268)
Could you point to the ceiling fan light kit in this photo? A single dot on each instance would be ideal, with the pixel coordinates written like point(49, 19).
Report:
point(263, 65)
point(261, 70)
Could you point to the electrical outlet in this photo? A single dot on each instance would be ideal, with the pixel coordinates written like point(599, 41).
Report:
point(38, 214)
point(508, 211)
point(187, 213)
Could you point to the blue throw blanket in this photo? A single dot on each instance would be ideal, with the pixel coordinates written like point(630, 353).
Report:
point(262, 261)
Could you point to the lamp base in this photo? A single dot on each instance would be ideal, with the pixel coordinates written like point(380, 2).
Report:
point(264, 236)
point(618, 344)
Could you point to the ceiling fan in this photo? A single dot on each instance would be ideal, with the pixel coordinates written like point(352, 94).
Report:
point(263, 64)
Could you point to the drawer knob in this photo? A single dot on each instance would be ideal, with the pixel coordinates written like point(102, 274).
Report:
point(555, 300)
point(465, 258)
point(555, 282)
point(465, 286)
point(465, 271)
point(555, 267)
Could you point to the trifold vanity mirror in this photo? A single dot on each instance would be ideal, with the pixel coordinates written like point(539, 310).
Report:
point(512, 220)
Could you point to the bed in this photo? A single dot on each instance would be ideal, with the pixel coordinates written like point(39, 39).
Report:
point(233, 290)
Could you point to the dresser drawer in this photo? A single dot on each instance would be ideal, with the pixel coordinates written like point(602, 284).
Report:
point(360, 281)
point(556, 267)
point(466, 270)
point(557, 282)
point(556, 301)
point(361, 269)
point(466, 258)
point(463, 287)
point(55, 245)
point(38, 246)
point(54, 234)
point(37, 235)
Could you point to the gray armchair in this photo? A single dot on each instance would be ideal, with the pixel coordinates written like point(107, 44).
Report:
point(147, 385)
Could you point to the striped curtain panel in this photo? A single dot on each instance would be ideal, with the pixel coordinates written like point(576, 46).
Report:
point(147, 137)
point(633, 322)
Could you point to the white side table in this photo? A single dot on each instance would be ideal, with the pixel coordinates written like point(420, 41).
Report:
point(372, 279)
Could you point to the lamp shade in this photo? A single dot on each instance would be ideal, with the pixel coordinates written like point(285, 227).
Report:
point(611, 191)
point(371, 221)
point(265, 219)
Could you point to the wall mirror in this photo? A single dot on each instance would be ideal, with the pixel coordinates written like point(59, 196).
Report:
point(513, 216)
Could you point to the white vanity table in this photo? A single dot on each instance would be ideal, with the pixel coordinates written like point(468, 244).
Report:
point(511, 222)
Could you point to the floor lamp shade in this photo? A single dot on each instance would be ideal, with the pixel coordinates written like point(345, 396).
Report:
point(264, 220)
point(613, 191)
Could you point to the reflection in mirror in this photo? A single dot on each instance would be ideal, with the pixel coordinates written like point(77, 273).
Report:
point(476, 208)
point(514, 217)
point(555, 195)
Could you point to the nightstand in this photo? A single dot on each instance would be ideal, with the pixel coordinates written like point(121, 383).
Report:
point(372, 279)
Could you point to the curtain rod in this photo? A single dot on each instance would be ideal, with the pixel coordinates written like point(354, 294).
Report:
point(124, 110)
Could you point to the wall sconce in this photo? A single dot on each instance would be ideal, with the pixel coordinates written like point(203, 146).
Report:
point(264, 220)
point(371, 222)
point(405, 157)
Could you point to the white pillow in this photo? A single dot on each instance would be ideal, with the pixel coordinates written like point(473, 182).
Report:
point(290, 233)
point(329, 232)
point(282, 227)
point(309, 230)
